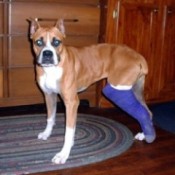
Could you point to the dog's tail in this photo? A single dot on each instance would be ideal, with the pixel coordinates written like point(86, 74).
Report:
point(143, 66)
point(138, 89)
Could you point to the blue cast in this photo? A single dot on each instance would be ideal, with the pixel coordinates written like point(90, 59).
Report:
point(127, 101)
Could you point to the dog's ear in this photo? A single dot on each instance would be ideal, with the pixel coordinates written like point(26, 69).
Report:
point(34, 25)
point(60, 26)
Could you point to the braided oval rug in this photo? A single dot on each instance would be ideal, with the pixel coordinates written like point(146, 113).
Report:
point(96, 139)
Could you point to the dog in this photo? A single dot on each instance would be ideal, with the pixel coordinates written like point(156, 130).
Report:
point(67, 70)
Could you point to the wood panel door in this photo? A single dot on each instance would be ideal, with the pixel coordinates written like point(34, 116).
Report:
point(147, 26)
point(137, 28)
point(136, 24)
point(1, 67)
point(1, 48)
point(167, 55)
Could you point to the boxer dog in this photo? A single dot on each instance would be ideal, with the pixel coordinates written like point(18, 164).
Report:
point(68, 70)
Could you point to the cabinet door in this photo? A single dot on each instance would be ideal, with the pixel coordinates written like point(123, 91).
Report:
point(1, 49)
point(135, 24)
point(1, 17)
point(80, 20)
point(1, 68)
point(137, 28)
point(167, 55)
point(1, 83)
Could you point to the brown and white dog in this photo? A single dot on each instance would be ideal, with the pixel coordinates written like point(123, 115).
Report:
point(69, 70)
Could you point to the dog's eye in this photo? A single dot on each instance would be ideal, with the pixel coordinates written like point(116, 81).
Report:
point(39, 42)
point(56, 42)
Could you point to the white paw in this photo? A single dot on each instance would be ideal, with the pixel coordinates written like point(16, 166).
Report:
point(43, 135)
point(60, 158)
point(140, 136)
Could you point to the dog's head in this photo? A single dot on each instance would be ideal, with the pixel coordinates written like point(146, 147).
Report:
point(47, 42)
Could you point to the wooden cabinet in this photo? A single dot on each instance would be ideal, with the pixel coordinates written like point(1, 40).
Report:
point(17, 75)
point(147, 26)
point(167, 54)
point(1, 49)
point(1, 67)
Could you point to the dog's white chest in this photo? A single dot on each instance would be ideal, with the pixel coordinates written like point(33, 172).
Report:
point(50, 80)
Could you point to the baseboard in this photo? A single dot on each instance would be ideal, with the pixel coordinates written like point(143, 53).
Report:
point(35, 108)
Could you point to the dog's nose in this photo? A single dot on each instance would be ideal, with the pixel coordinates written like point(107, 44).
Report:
point(47, 54)
point(47, 57)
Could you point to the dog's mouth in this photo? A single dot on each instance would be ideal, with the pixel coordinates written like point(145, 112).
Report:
point(47, 65)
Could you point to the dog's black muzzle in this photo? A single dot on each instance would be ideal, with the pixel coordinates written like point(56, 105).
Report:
point(47, 57)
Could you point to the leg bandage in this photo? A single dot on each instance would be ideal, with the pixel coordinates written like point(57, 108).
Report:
point(127, 101)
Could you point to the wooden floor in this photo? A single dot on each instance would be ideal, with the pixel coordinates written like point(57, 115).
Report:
point(157, 158)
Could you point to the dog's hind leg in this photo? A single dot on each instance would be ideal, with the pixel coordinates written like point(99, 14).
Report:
point(51, 100)
point(126, 99)
point(138, 89)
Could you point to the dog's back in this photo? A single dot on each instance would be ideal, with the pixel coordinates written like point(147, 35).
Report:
point(118, 63)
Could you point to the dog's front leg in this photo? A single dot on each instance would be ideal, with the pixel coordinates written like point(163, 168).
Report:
point(71, 117)
point(51, 100)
